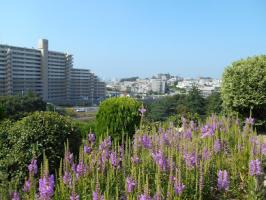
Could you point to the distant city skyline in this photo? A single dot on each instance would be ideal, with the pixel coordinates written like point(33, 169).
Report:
point(118, 39)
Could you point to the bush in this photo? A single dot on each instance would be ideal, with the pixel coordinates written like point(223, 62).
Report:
point(118, 115)
point(86, 126)
point(16, 107)
point(244, 87)
point(38, 133)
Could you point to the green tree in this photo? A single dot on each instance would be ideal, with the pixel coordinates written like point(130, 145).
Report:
point(164, 107)
point(244, 87)
point(16, 107)
point(117, 115)
point(214, 103)
point(195, 101)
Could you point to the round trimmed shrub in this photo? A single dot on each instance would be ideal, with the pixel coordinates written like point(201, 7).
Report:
point(36, 134)
point(244, 87)
point(117, 115)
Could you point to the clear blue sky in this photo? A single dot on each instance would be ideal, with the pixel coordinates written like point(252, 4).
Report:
point(141, 37)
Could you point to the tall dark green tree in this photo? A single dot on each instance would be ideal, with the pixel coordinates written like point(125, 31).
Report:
point(195, 101)
point(214, 103)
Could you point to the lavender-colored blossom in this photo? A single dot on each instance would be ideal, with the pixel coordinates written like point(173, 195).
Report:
point(263, 148)
point(254, 167)
point(146, 141)
point(249, 121)
point(115, 161)
point(15, 196)
point(179, 188)
point(130, 184)
point(217, 146)
point(165, 139)
point(33, 168)
point(190, 159)
point(26, 186)
point(207, 131)
point(97, 196)
point(46, 187)
point(81, 169)
point(106, 143)
point(206, 154)
point(142, 110)
point(160, 160)
point(158, 196)
point(67, 178)
point(144, 197)
point(87, 149)
point(135, 160)
point(74, 196)
point(69, 158)
point(188, 134)
point(223, 180)
point(91, 138)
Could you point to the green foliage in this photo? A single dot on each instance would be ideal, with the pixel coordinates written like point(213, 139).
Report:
point(195, 101)
point(38, 133)
point(244, 87)
point(118, 115)
point(164, 107)
point(16, 107)
point(214, 103)
point(181, 104)
point(86, 126)
point(176, 120)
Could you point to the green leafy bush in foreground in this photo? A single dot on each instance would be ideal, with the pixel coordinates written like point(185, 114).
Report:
point(118, 115)
point(38, 133)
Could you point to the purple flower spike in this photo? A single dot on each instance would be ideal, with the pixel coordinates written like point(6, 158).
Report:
point(15, 196)
point(190, 159)
point(97, 196)
point(263, 148)
point(74, 196)
point(135, 160)
point(222, 182)
point(67, 179)
point(179, 188)
point(254, 167)
point(91, 138)
point(87, 149)
point(33, 168)
point(207, 131)
point(81, 169)
point(142, 111)
point(26, 187)
point(130, 184)
point(46, 187)
point(144, 197)
point(217, 146)
point(146, 141)
point(160, 160)
point(250, 121)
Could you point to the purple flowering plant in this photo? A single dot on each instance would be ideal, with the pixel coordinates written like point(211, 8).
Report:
point(158, 163)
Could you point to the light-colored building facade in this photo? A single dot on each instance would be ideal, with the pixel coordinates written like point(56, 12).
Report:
point(158, 85)
point(47, 73)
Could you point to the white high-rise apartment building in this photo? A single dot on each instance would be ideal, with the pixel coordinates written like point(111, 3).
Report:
point(47, 73)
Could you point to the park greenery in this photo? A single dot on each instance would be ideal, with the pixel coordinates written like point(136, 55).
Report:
point(117, 116)
point(244, 89)
point(184, 146)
